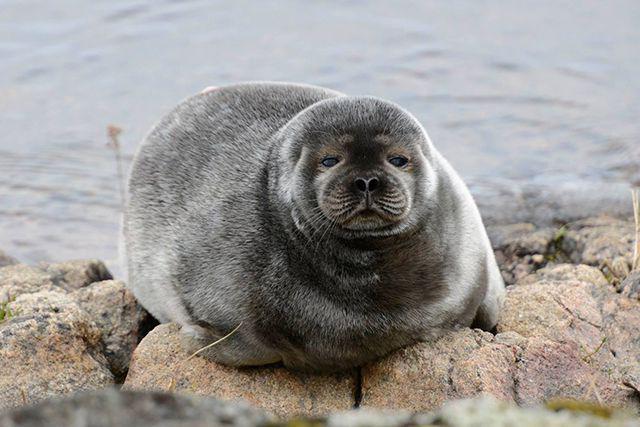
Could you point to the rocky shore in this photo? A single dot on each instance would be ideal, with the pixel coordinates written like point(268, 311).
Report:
point(566, 351)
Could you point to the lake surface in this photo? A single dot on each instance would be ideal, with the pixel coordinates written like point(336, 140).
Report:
point(535, 103)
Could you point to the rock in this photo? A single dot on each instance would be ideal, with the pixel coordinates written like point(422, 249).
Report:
point(488, 412)
point(603, 241)
point(521, 239)
point(115, 408)
point(362, 417)
point(621, 318)
point(620, 267)
point(520, 248)
point(119, 317)
point(564, 333)
point(596, 329)
point(55, 349)
point(566, 272)
point(21, 279)
point(77, 274)
point(599, 241)
point(630, 286)
point(6, 259)
point(66, 332)
point(550, 370)
point(422, 377)
point(560, 303)
point(159, 363)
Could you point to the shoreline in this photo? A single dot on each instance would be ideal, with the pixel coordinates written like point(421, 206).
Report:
point(570, 321)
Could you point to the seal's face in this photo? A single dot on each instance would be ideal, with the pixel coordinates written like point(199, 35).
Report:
point(362, 181)
point(356, 167)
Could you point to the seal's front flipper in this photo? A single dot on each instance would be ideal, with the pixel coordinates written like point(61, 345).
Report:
point(488, 313)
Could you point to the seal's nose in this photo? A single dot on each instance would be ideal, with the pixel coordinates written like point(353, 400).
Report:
point(367, 184)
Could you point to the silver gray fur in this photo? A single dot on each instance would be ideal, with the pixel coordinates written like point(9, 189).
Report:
point(221, 231)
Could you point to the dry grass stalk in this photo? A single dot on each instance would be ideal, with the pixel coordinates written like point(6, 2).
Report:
point(113, 132)
point(172, 383)
point(635, 197)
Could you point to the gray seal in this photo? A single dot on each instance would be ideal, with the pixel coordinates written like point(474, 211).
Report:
point(326, 228)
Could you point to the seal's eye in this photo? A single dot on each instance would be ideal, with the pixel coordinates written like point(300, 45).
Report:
point(329, 161)
point(399, 161)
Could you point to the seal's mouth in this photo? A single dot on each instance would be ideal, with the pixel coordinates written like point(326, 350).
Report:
point(369, 217)
point(365, 212)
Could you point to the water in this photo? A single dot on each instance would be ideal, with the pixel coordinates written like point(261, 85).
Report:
point(536, 103)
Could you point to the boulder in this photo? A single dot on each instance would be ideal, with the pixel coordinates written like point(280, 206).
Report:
point(115, 408)
point(60, 332)
point(120, 318)
point(564, 333)
point(593, 328)
point(160, 363)
point(50, 348)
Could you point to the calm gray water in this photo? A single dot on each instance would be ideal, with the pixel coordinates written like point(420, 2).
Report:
point(536, 103)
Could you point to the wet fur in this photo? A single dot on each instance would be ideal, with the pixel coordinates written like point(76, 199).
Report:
point(213, 239)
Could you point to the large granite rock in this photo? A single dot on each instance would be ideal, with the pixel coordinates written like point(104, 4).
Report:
point(60, 331)
point(160, 363)
point(564, 333)
point(50, 348)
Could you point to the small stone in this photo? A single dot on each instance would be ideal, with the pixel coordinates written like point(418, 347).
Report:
point(620, 267)
point(520, 248)
point(630, 286)
point(6, 259)
point(77, 274)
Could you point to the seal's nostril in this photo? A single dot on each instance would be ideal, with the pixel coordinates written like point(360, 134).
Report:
point(364, 185)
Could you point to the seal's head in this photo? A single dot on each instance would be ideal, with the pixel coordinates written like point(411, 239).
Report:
point(357, 166)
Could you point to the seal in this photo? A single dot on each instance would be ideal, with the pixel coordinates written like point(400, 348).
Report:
point(324, 230)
